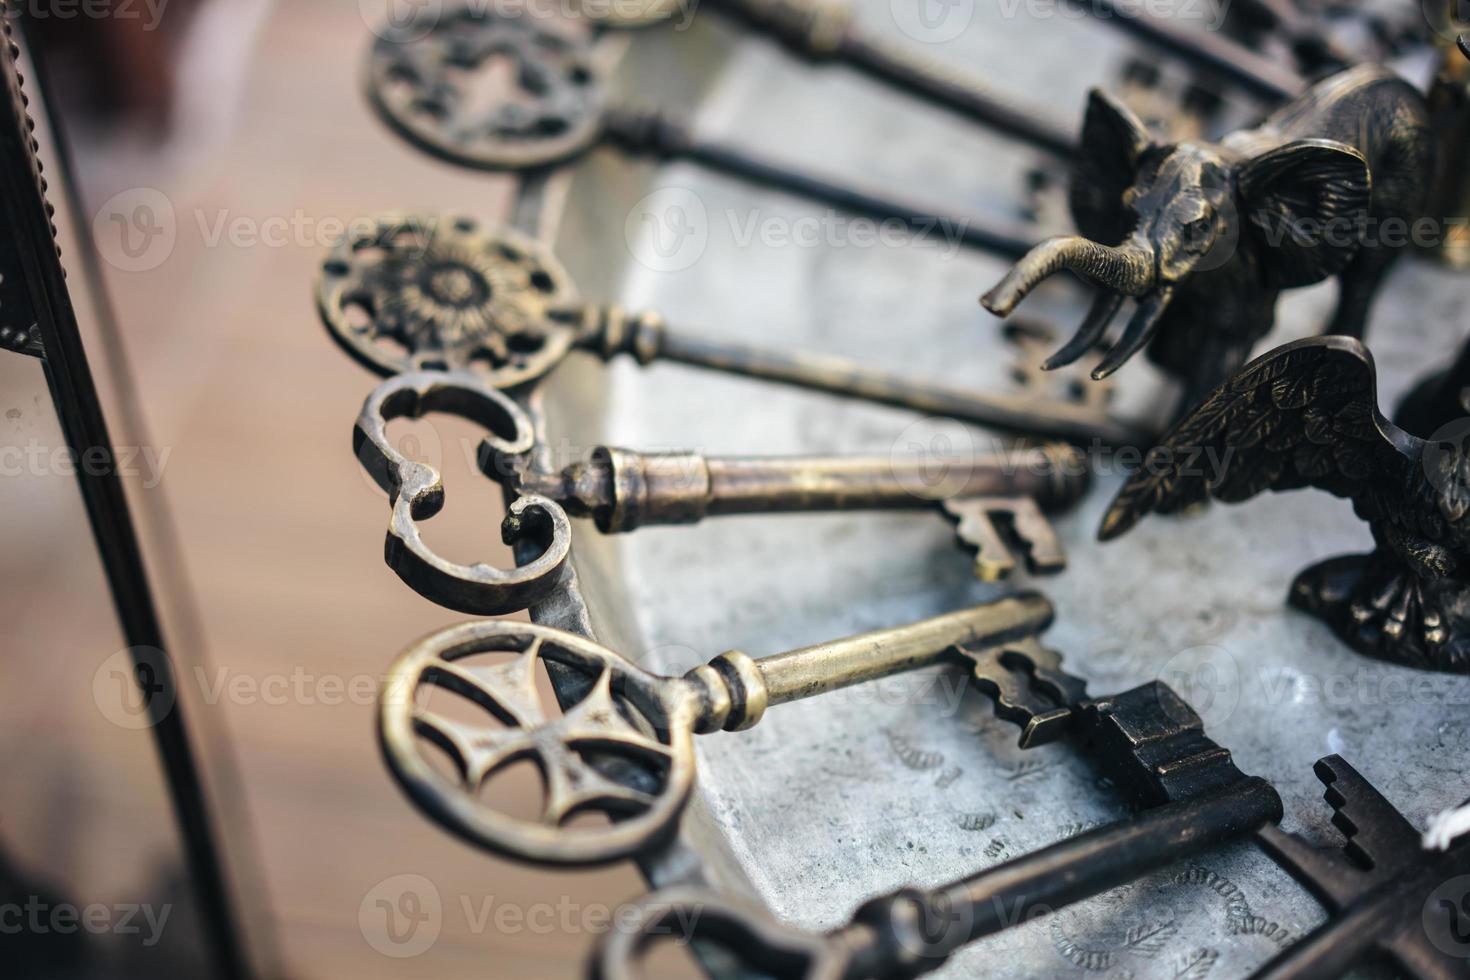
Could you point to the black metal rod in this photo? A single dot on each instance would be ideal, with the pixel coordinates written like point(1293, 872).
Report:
point(823, 33)
point(1251, 71)
point(895, 66)
point(79, 412)
point(652, 133)
point(1082, 866)
point(838, 376)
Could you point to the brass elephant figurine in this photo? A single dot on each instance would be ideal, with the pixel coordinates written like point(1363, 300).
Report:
point(1206, 235)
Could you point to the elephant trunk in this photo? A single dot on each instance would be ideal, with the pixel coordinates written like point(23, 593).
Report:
point(1127, 269)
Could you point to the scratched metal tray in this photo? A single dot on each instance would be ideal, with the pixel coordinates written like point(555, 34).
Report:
point(911, 780)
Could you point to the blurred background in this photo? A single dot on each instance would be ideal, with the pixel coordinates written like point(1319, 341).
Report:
point(219, 146)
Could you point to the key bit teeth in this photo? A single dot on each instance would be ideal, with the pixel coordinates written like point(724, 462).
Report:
point(1028, 686)
point(979, 523)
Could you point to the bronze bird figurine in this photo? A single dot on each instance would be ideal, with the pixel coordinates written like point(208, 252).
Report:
point(1306, 415)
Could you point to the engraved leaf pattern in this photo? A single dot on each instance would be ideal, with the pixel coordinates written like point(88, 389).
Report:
point(1149, 939)
point(1195, 965)
point(1302, 415)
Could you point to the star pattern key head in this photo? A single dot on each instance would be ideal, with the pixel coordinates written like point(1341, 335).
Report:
point(621, 746)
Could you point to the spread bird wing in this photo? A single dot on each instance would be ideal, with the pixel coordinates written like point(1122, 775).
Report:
point(1304, 415)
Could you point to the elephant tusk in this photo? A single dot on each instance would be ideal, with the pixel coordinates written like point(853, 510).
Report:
point(1104, 308)
point(1141, 329)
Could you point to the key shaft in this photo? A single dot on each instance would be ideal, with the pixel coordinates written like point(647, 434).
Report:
point(1258, 74)
point(739, 688)
point(657, 134)
point(622, 489)
point(823, 31)
point(883, 931)
point(610, 331)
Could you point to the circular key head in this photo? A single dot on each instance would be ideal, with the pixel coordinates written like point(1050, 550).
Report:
point(621, 746)
point(481, 88)
point(404, 292)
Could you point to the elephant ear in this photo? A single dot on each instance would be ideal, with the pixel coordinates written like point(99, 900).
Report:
point(1308, 201)
point(1113, 142)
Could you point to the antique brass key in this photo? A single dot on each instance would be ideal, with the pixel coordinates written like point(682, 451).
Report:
point(1147, 740)
point(414, 292)
point(622, 744)
point(621, 490)
point(420, 84)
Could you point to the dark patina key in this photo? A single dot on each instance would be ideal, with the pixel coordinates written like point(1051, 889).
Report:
point(1388, 891)
point(1148, 740)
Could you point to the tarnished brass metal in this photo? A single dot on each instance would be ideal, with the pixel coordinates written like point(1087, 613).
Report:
point(441, 292)
point(1205, 236)
point(1148, 741)
point(1306, 415)
point(408, 292)
point(622, 490)
point(624, 746)
point(421, 82)
point(416, 493)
